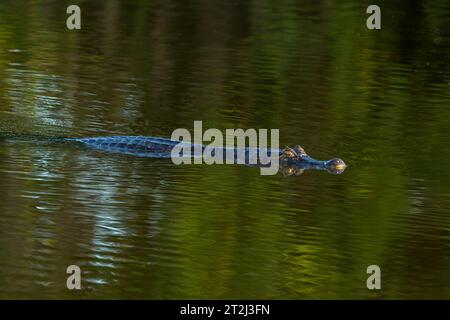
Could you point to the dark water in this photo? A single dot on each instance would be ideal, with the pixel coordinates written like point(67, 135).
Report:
point(145, 228)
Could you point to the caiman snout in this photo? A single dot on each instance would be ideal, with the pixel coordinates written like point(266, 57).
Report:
point(335, 166)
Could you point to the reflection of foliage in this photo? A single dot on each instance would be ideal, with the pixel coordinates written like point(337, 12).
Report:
point(379, 99)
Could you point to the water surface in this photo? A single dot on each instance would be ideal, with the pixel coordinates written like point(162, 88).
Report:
point(145, 228)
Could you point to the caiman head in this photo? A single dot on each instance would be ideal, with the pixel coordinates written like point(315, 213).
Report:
point(293, 161)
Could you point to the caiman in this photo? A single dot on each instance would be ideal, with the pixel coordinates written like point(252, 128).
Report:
point(292, 161)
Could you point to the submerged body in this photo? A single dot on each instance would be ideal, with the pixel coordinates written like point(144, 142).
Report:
point(293, 161)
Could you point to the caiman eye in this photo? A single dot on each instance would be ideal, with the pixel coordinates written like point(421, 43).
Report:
point(289, 153)
point(299, 150)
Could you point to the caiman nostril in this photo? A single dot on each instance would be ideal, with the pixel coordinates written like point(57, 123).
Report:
point(336, 166)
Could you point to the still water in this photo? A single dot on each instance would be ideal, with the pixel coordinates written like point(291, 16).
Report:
point(146, 228)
